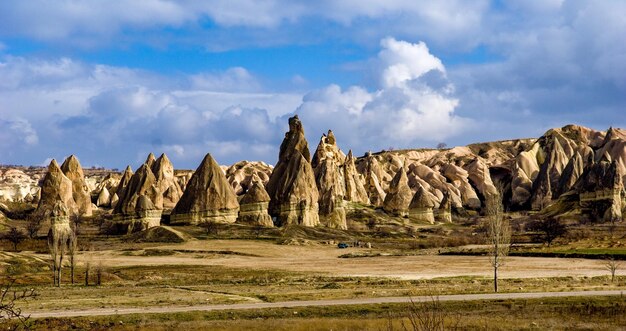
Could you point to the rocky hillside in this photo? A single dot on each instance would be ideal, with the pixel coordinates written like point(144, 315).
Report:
point(569, 171)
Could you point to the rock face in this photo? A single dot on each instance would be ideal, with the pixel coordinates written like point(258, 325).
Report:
point(126, 176)
point(166, 182)
point(600, 188)
point(240, 175)
point(254, 204)
point(17, 186)
point(292, 188)
point(355, 190)
point(421, 207)
point(104, 198)
point(373, 174)
point(399, 196)
point(330, 181)
point(444, 214)
point(131, 207)
point(80, 191)
point(56, 187)
point(207, 197)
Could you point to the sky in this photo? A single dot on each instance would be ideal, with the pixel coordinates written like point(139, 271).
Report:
point(111, 81)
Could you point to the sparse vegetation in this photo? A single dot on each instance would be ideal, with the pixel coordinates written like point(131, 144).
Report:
point(15, 236)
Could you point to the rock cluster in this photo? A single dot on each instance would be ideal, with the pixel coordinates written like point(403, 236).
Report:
point(140, 202)
point(56, 187)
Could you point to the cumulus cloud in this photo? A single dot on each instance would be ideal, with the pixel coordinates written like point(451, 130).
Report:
point(407, 109)
point(16, 135)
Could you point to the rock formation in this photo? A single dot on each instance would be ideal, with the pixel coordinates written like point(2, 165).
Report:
point(373, 174)
point(207, 197)
point(240, 175)
point(292, 188)
point(129, 210)
point(444, 213)
point(254, 204)
point(421, 207)
point(399, 196)
point(355, 190)
point(166, 182)
point(126, 176)
point(600, 188)
point(329, 177)
point(73, 170)
point(104, 198)
point(56, 187)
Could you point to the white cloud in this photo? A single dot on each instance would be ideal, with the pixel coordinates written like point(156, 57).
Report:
point(235, 79)
point(410, 106)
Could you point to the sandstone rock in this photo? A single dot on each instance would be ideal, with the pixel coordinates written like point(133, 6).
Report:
point(327, 148)
point(478, 173)
point(399, 196)
point(142, 183)
point(444, 213)
point(208, 197)
point(104, 198)
point(292, 188)
point(80, 191)
point(570, 175)
point(56, 187)
point(333, 209)
point(355, 190)
point(240, 175)
point(330, 184)
point(421, 206)
point(460, 179)
point(254, 204)
point(600, 188)
point(167, 183)
point(126, 176)
point(114, 200)
point(150, 161)
point(373, 174)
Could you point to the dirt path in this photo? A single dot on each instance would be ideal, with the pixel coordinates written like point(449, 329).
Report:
point(292, 304)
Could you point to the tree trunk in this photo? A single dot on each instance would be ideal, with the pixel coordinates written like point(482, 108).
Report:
point(59, 271)
point(495, 278)
point(87, 276)
point(72, 269)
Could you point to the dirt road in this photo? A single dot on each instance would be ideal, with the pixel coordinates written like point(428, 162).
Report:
point(292, 304)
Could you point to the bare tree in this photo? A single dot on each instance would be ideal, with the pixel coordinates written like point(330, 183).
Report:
point(8, 307)
point(210, 227)
point(58, 242)
point(552, 229)
point(72, 249)
point(425, 315)
point(442, 145)
point(76, 220)
point(498, 234)
point(99, 272)
point(33, 225)
point(15, 236)
point(612, 265)
point(87, 267)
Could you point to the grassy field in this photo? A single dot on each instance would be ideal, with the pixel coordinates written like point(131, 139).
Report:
point(241, 264)
point(602, 313)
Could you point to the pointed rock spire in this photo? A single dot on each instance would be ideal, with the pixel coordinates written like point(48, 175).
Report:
point(399, 196)
point(126, 176)
point(167, 183)
point(253, 205)
point(355, 189)
point(150, 160)
point(421, 206)
point(73, 170)
point(444, 213)
point(292, 187)
point(207, 197)
point(56, 187)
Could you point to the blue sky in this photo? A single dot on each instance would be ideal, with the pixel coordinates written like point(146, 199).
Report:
point(111, 81)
